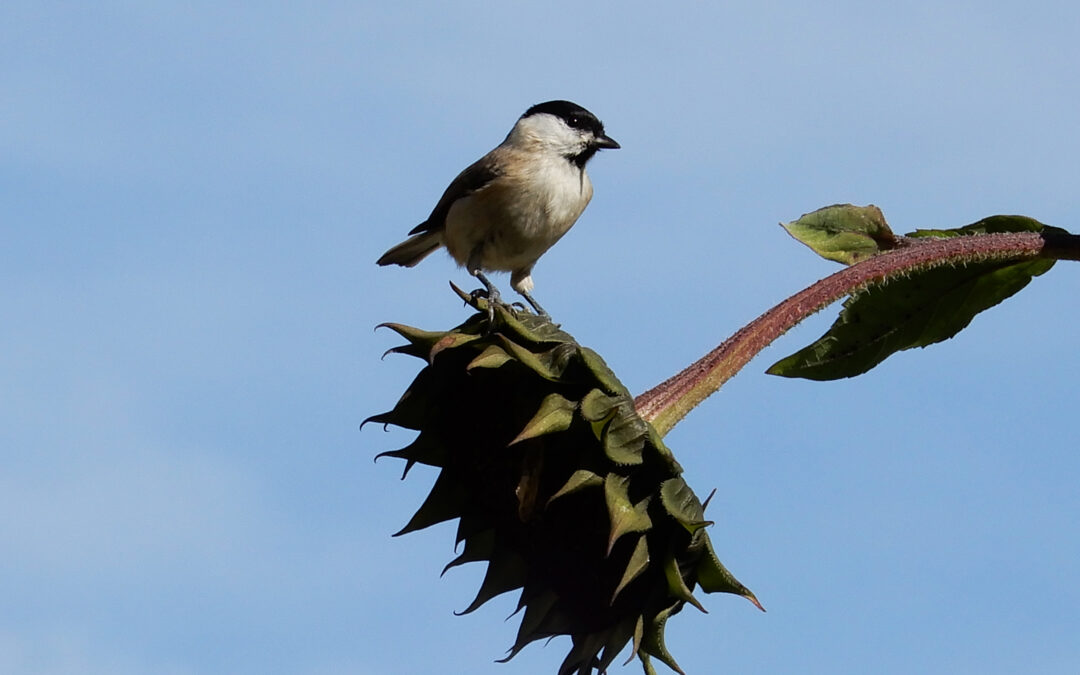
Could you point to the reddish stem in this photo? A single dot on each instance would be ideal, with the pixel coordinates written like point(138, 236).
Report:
point(667, 403)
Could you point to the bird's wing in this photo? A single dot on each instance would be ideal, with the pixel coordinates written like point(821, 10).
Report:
point(474, 178)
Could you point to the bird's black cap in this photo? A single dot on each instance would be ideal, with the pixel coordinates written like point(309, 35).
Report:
point(571, 113)
point(578, 118)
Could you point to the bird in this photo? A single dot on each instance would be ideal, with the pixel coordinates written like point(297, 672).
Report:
point(509, 207)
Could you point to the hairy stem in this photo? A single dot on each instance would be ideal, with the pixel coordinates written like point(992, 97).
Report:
point(667, 403)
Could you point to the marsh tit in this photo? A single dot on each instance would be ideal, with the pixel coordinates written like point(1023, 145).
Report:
point(508, 208)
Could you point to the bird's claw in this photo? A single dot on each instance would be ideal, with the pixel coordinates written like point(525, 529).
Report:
point(491, 296)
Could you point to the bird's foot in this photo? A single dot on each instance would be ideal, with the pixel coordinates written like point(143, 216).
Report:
point(492, 297)
point(540, 311)
point(490, 292)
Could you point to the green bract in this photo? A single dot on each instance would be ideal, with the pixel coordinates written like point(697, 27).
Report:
point(558, 484)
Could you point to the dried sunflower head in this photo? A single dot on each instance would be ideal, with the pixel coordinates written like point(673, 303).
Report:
point(557, 483)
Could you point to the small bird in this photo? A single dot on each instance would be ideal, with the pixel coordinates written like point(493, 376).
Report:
point(509, 207)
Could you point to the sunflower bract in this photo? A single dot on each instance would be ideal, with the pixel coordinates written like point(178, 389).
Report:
point(557, 484)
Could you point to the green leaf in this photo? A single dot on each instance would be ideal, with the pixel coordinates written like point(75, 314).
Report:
point(677, 584)
point(617, 638)
point(493, 356)
point(547, 364)
point(639, 633)
point(421, 340)
point(528, 326)
point(917, 311)
point(426, 449)
point(538, 612)
point(555, 415)
point(683, 505)
point(662, 450)
point(926, 307)
point(625, 516)
point(506, 571)
point(625, 435)
point(443, 503)
point(450, 341)
point(600, 370)
point(618, 425)
point(581, 479)
point(414, 407)
point(478, 547)
point(990, 225)
point(646, 662)
point(713, 577)
point(653, 642)
point(598, 406)
point(639, 560)
point(844, 232)
point(583, 654)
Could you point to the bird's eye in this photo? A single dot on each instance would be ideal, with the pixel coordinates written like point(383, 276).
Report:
point(576, 121)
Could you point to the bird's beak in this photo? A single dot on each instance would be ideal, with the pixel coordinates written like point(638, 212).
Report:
point(605, 141)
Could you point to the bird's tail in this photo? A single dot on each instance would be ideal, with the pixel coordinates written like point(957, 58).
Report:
point(412, 250)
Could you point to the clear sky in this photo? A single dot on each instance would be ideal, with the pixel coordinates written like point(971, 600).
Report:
point(192, 197)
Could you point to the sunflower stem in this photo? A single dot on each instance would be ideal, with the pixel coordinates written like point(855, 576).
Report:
point(669, 402)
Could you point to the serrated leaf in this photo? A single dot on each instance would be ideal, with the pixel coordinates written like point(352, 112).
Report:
point(408, 350)
point(713, 577)
point(426, 449)
point(603, 374)
point(625, 435)
point(540, 363)
point(506, 571)
point(653, 641)
point(479, 546)
point(471, 525)
point(493, 356)
point(414, 406)
point(683, 505)
point(442, 503)
point(582, 656)
point(920, 310)
point(662, 450)
point(423, 340)
point(451, 341)
point(530, 327)
point(617, 638)
point(639, 561)
point(579, 480)
point(677, 584)
point(538, 613)
point(625, 516)
point(555, 414)
point(844, 232)
point(639, 632)
point(597, 406)
point(646, 662)
point(558, 619)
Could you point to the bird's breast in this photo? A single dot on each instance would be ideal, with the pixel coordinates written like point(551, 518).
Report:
point(514, 220)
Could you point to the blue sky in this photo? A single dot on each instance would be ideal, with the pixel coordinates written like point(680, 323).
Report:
point(192, 197)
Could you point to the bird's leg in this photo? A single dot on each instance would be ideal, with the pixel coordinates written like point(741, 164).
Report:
point(521, 281)
point(490, 291)
point(540, 311)
point(493, 297)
